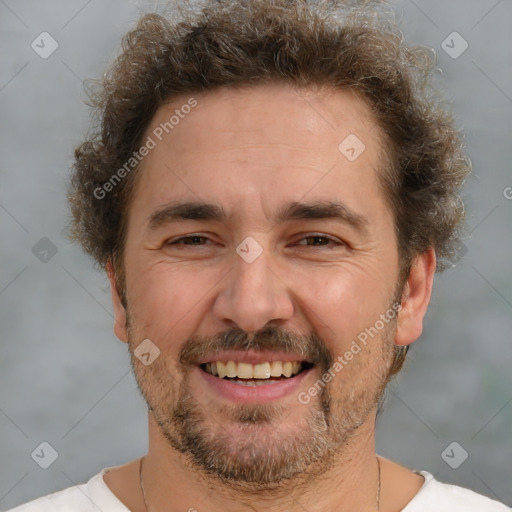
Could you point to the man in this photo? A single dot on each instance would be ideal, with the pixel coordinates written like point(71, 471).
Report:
point(270, 193)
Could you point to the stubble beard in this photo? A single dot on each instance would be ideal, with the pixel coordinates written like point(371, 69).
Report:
point(264, 449)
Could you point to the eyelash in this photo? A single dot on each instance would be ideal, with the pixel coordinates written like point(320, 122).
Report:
point(314, 235)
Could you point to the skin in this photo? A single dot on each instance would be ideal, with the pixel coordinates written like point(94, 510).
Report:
point(252, 151)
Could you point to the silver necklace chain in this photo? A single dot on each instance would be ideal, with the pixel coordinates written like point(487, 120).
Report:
point(142, 485)
point(146, 503)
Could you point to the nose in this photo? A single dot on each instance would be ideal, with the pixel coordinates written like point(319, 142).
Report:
point(253, 295)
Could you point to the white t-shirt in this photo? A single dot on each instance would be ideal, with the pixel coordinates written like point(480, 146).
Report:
point(95, 495)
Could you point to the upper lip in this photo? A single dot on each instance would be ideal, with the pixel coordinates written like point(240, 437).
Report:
point(251, 356)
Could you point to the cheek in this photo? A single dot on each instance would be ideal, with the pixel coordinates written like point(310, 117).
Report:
point(342, 302)
point(164, 302)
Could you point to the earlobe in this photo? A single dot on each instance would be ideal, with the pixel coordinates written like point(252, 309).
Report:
point(119, 310)
point(415, 298)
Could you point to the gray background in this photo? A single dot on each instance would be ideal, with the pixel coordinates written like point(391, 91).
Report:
point(66, 379)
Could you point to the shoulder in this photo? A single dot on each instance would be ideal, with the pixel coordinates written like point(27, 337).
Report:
point(441, 497)
point(89, 497)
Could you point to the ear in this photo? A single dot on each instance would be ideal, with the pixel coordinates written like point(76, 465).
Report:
point(119, 310)
point(415, 298)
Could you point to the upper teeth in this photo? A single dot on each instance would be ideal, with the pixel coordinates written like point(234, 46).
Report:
point(233, 369)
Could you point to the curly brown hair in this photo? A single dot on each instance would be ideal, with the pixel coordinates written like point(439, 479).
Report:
point(231, 43)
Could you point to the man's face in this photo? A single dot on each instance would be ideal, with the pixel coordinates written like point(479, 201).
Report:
point(268, 283)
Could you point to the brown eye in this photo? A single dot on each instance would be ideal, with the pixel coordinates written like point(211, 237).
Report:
point(318, 241)
point(190, 240)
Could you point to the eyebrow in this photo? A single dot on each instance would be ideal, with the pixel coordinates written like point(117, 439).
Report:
point(190, 210)
point(193, 210)
point(329, 210)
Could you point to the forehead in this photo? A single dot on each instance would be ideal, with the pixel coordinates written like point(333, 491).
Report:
point(273, 113)
point(259, 143)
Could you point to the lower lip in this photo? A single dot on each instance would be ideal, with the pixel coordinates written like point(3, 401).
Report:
point(252, 394)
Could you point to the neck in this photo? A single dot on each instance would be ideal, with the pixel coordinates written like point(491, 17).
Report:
point(350, 483)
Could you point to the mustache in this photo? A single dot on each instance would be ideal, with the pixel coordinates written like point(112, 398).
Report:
point(308, 347)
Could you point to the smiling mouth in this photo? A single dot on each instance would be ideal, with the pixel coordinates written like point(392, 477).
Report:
point(247, 374)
